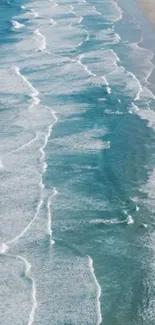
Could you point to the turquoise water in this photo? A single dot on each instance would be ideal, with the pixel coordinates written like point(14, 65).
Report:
point(77, 164)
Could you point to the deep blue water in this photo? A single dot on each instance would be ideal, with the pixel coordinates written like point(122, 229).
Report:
point(76, 163)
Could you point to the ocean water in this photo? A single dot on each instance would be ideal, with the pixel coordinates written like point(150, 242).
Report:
point(77, 163)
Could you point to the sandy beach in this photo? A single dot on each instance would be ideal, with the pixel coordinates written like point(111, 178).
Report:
point(149, 7)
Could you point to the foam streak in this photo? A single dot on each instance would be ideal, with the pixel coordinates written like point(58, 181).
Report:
point(98, 305)
point(34, 92)
point(34, 300)
point(49, 211)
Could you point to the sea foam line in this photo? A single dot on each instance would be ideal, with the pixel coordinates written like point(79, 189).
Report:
point(27, 144)
point(95, 10)
point(49, 218)
point(72, 10)
point(34, 300)
point(79, 61)
point(15, 239)
point(80, 20)
point(99, 315)
point(42, 152)
point(52, 21)
point(42, 38)
point(16, 24)
point(34, 92)
point(41, 184)
point(1, 165)
point(35, 13)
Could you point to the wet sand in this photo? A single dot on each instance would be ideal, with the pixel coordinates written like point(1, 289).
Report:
point(149, 7)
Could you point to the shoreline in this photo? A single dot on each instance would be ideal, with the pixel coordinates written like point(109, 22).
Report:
point(148, 7)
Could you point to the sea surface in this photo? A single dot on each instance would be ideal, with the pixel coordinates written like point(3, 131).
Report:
point(77, 163)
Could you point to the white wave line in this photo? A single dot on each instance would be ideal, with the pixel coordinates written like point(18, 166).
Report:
point(72, 10)
point(35, 13)
point(84, 66)
point(16, 24)
point(80, 20)
point(87, 37)
point(95, 10)
point(34, 92)
point(28, 267)
point(99, 315)
point(139, 85)
point(52, 21)
point(42, 46)
point(24, 145)
point(107, 84)
point(15, 239)
point(49, 211)
point(34, 300)
point(44, 166)
point(42, 158)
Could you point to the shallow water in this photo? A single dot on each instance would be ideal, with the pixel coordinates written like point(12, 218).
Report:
point(76, 163)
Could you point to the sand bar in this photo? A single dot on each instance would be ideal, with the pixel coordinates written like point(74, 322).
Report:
point(149, 7)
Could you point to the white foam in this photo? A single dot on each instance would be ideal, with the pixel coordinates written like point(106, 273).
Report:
point(49, 211)
point(53, 22)
point(34, 300)
point(27, 144)
point(3, 249)
point(34, 92)
point(106, 221)
point(137, 208)
point(1, 165)
point(80, 20)
point(108, 36)
point(35, 13)
point(129, 220)
point(83, 142)
point(97, 12)
point(15, 239)
point(79, 61)
point(41, 40)
point(98, 305)
point(72, 10)
point(144, 225)
point(17, 25)
point(42, 153)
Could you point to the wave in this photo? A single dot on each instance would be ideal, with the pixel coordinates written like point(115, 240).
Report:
point(108, 36)
point(105, 82)
point(34, 300)
point(41, 41)
point(27, 144)
point(53, 22)
point(98, 306)
point(17, 25)
point(44, 166)
point(79, 61)
point(34, 13)
point(97, 12)
point(80, 20)
point(34, 92)
point(1, 165)
point(72, 10)
point(129, 220)
point(49, 212)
